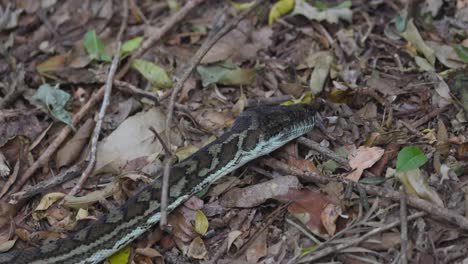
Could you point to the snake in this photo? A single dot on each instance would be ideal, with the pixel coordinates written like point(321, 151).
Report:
point(256, 132)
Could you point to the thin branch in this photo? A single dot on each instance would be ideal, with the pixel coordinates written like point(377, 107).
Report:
point(413, 201)
point(194, 61)
point(173, 20)
point(95, 98)
point(57, 142)
point(353, 242)
point(105, 103)
point(429, 116)
point(404, 226)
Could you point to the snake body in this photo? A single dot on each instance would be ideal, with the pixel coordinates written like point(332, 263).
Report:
point(256, 132)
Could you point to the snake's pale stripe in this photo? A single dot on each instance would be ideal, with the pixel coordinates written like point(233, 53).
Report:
point(242, 157)
point(120, 237)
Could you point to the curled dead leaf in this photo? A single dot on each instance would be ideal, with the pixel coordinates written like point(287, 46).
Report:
point(197, 249)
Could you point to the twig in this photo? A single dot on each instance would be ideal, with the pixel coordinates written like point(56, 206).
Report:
point(30, 191)
point(130, 88)
point(96, 97)
point(303, 230)
point(325, 151)
point(105, 103)
point(163, 144)
point(174, 19)
point(410, 128)
point(429, 116)
point(194, 61)
point(337, 248)
point(416, 202)
point(17, 87)
point(52, 148)
point(269, 219)
point(404, 226)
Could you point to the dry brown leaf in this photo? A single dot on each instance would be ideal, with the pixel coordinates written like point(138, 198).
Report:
point(363, 158)
point(149, 252)
point(232, 236)
point(329, 216)
point(258, 249)
point(72, 149)
point(257, 194)
point(7, 245)
point(311, 207)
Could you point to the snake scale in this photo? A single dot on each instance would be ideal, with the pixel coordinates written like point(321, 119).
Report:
point(256, 132)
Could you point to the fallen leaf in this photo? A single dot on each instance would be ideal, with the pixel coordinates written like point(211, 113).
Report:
point(331, 15)
point(411, 34)
point(329, 216)
point(232, 236)
point(52, 64)
point(322, 62)
point(67, 154)
point(257, 194)
point(416, 184)
point(53, 100)
point(446, 54)
point(7, 245)
point(363, 158)
point(197, 249)
point(258, 249)
point(95, 47)
point(280, 8)
point(155, 74)
point(313, 207)
point(48, 199)
point(120, 257)
point(201, 223)
point(131, 140)
point(410, 158)
point(225, 74)
point(131, 45)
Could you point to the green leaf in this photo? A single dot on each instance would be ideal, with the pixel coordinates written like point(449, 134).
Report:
point(462, 52)
point(410, 158)
point(238, 76)
point(95, 47)
point(153, 73)
point(131, 45)
point(54, 101)
point(279, 9)
point(305, 98)
point(372, 180)
point(225, 73)
point(307, 250)
point(400, 23)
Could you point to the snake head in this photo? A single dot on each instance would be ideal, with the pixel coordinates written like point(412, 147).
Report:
point(277, 124)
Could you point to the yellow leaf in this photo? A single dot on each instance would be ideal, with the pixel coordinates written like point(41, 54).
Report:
point(279, 9)
point(201, 223)
point(306, 98)
point(48, 200)
point(52, 64)
point(121, 257)
point(239, 7)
